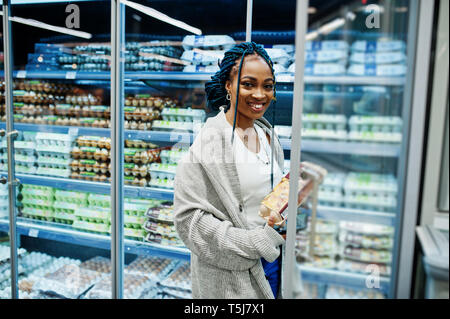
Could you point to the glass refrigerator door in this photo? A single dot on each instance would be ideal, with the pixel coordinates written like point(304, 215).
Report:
point(355, 125)
point(61, 152)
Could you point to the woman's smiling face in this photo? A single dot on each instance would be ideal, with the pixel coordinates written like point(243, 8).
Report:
point(256, 87)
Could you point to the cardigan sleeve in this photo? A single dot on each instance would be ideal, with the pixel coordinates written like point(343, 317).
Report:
point(212, 236)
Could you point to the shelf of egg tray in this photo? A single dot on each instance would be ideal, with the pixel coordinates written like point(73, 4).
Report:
point(345, 147)
point(201, 76)
point(342, 278)
point(337, 213)
point(68, 234)
point(154, 136)
point(94, 187)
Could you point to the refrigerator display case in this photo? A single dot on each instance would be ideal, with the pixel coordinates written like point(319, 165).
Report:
point(73, 101)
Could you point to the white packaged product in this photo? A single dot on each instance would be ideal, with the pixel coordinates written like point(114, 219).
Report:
point(183, 115)
point(202, 57)
point(376, 185)
point(367, 255)
point(363, 268)
point(326, 45)
point(385, 124)
point(365, 228)
point(288, 48)
point(340, 292)
point(208, 42)
point(366, 241)
point(279, 56)
point(201, 68)
point(279, 68)
point(377, 70)
point(378, 46)
point(329, 122)
point(378, 58)
point(326, 56)
point(321, 69)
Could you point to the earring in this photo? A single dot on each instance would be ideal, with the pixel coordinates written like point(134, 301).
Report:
point(228, 97)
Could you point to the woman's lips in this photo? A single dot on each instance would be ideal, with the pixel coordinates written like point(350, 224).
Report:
point(256, 106)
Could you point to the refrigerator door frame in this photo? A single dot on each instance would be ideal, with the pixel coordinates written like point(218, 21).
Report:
point(410, 164)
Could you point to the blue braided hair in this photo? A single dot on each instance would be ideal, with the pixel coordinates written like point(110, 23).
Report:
point(215, 89)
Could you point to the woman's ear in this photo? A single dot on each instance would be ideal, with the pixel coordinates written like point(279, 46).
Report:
point(228, 86)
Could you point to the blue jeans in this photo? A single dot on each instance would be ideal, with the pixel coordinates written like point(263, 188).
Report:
point(272, 272)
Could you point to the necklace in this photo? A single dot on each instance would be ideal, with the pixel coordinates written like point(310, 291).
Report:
point(244, 139)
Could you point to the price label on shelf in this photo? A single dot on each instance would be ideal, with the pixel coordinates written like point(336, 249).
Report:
point(71, 75)
point(22, 74)
point(33, 233)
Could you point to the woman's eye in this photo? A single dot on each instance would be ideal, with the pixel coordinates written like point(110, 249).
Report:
point(269, 87)
point(247, 84)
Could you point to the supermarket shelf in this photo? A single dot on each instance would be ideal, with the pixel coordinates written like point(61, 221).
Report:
point(154, 136)
point(93, 187)
point(330, 277)
point(338, 147)
point(66, 234)
point(356, 215)
point(202, 76)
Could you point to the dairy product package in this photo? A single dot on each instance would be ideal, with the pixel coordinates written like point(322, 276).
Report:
point(69, 281)
point(326, 56)
point(378, 46)
point(326, 45)
point(201, 68)
point(208, 42)
point(202, 57)
point(367, 229)
point(321, 69)
point(366, 241)
point(377, 70)
point(279, 56)
point(378, 58)
point(276, 202)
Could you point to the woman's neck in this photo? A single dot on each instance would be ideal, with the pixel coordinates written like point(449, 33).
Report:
point(241, 121)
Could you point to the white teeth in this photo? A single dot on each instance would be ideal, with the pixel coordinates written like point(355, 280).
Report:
point(257, 106)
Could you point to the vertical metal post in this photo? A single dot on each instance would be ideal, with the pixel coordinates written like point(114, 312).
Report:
point(301, 27)
point(10, 135)
point(248, 29)
point(117, 142)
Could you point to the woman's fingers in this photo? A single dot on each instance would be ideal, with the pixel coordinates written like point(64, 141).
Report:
point(271, 221)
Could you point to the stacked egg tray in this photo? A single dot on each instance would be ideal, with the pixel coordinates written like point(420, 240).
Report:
point(142, 109)
point(386, 129)
point(331, 190)
point(37, 202)
point(178, 283)
point(91, 159)
point(53, 152)
point(365, 248)
point(325, 246)
point(160, 227)
point(24, 154)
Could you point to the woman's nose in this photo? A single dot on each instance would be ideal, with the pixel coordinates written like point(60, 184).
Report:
point(258, 93)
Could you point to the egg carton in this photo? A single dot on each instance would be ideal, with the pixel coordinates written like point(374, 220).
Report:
point(333, 182)
point(323, 262)
point(71, 197)
point(324, 134)
point(133, 233)
point(40, 214)
point(378, 57)
point(136, 170)
point(65, 207)
point(377, 70)
point(92, 227)
point(327, 45)
point(179, 278)
point(378, 46)
point(366, 228)
point(200, 57)
point(373, 203)
point(386, 124)
point(160, 228)
point(41, 203)
point(161, 183)
point(332, 199)
point(340, 292)
point(55, 140)
point(173, 126)
point(93, 214)
point(99, 200)
point(135, 210)
point(326, 56)
point(172, 156)
point(133, 287)
point(321, 69)
point(136, 181)
point(156, 268)
point(324, 122)
point(163, 171)
point(52, 171)
point(24, 159)
point(208, 42)
point(366, 241)
point(163, 213)
point(368, 184)
point(375, 137)
point(183, 115)
point(38, 192)
point(363, 268)
point(279, 56)
point(134, 222)
point(26, 147)
point(366, 255)
point(63, 218)
point(201, 68)
point(53, 162)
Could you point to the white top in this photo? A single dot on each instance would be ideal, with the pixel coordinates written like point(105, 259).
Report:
point(254, 175)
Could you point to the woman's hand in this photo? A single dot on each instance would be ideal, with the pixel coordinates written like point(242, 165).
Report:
point(271, 223)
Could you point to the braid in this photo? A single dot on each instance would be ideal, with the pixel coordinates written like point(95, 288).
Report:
point(215, 89)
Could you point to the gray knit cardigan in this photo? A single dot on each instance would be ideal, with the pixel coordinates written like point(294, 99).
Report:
point(211, 221)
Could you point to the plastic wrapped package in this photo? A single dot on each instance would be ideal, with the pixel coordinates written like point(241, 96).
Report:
point(326, 56)
point(365, 228)
point(199, 57)
point(321, 69)
point(155, 268)
point(378, 46)
point(201, 68)
point(98, 263)
point(378, 58)
point(134, 286)
point(180, 278)
point(326, 45)
point(377, 70)
point(366, 241)
point(363, 268)
point(340, 292)
point(163, 213)
point(70, 281)
point(366, 255)
point(208, 42)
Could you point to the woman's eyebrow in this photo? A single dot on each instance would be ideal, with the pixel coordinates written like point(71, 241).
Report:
point(254, 79)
